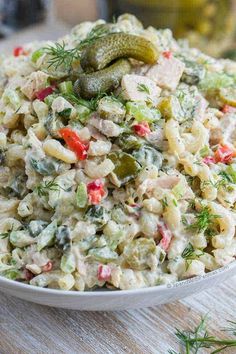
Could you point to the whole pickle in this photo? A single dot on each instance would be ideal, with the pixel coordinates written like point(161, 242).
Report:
point(90, 85)
point(117, 45)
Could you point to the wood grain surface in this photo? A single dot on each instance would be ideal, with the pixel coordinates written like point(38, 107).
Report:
point(26, 328)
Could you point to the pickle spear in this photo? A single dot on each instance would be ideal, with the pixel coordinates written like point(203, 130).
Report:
point(117, 45)
point(106, 80)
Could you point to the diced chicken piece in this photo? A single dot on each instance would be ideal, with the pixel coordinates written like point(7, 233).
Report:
point(167, 72)
point(107, 127)
point(35, 82)
point(139, 88)
point(156, 138)
point(201, 107)
point(60, 104)
point(215, 136)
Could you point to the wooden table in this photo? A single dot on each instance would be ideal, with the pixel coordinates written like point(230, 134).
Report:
point(27, 328)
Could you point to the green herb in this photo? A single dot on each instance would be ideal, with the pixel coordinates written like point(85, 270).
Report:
point(189, 254)
point(164, 202)
point(204, 220)
point(59, 55)
point(92, 104)
point(226, 177)
point(204, 151)
point(143, 88)
point(199, 338)
point(65, 113)
point(43, 188)
point(174, 202)
point(232, 328)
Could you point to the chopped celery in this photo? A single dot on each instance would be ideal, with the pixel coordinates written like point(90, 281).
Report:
point(216, 80)
point(21, 238)
point(104, 254)
point(49, 99)
point(83, 113)
point(12, 274)
point(11, 97)
point(66, 87)
point(141, 112)
point(46, 237)
point(68, 264)
point(205, 151)
point(179, 190)
point(36, 55)
point(231, 172)
point(81, 195)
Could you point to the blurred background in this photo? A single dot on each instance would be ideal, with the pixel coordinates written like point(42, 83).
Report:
point(208, 24)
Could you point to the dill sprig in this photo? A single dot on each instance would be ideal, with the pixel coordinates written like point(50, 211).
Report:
point(59, 55)
point(204, 220)
point(231, 328)
point(199, 338)
point(143, 88)
point(92, 104)
point(189, 254)
point(43, 188)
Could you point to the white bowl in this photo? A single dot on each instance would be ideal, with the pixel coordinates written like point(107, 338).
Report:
point(119, 299)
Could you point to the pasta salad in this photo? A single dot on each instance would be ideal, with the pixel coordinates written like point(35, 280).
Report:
point(122, 176)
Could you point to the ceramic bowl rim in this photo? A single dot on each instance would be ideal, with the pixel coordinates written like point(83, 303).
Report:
point(104, 294)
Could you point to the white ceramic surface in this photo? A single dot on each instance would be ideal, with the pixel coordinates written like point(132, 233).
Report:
point(117, 300)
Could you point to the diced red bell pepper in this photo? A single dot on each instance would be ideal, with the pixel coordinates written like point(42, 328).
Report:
point(28, 274)
point(42, 94)
point(95, 191)
point(142, 129)
point(224, 154)
point(74, 143)
point(104, 272)
point(47, 267)
point(228, 109)
point(17, 51)
point(166, 235)
point(167, 54)
point(209, 160)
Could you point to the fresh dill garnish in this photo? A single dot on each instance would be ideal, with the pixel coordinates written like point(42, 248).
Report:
point(143, 88)
point(174, 202)
point(164, 202)
point(189, 254)
point(199, 338)
point(92, 104)
point(221, 182)
point(43, 188)
point(226, 176)
point(59, 55)
point(231, 328)
point(204, 220)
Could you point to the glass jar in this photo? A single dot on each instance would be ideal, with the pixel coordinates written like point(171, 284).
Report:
point(207, 24)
